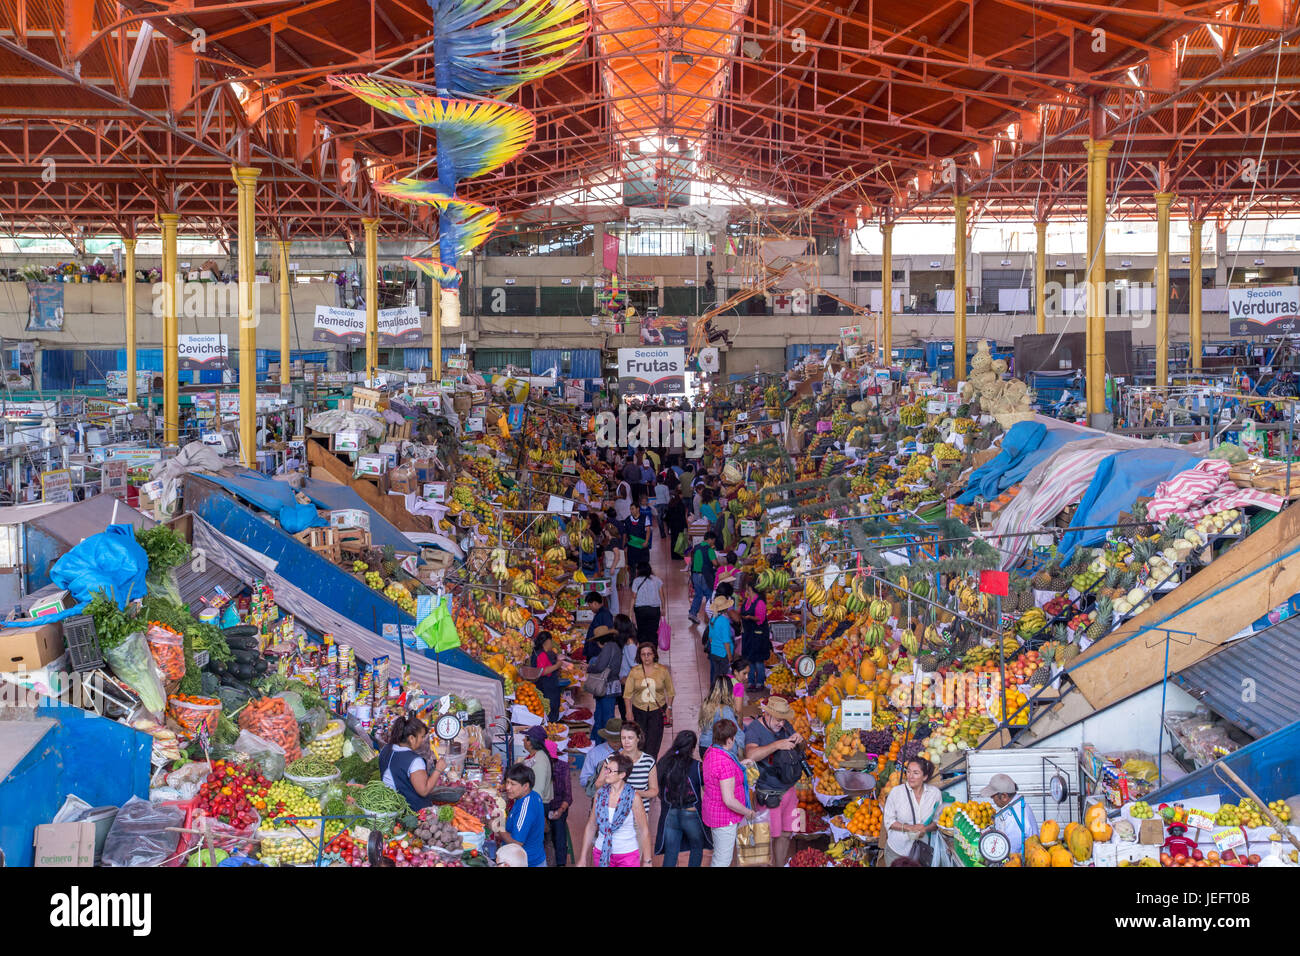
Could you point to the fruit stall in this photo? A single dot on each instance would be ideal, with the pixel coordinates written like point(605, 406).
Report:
point(942, 589)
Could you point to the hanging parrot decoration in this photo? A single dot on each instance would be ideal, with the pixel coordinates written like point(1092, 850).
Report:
point(483, 51)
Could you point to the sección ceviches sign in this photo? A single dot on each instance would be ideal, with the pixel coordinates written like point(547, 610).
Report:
point(650, 371)
point(203, 352)
point(1264, 310)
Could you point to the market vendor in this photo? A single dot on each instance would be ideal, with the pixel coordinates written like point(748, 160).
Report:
point(1014, 818)
point(403, 769)
point(547, 661)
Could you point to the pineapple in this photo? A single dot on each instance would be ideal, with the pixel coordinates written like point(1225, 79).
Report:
point(1040, 677)
point(1142, 550)
point(1110, 586)
point(1068, 653)
point(1101, 626)
point(390, 560)
point(928, 662)
point(1043, 579)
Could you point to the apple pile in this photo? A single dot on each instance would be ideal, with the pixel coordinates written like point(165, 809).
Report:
point(1212, 858)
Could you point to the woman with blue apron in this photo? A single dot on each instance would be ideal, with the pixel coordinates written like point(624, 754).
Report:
point(402, 767)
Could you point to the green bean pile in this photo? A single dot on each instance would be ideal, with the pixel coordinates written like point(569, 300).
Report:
point(378, 798)
point(312, 767)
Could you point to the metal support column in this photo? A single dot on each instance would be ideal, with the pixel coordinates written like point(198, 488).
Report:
point(959, 289)
point(285, 311)
point(1163, 201)
point(128, 308)
point(1040, 278)
point(887, 294)
point(246, 181)
point(371, 225)
point(171, 331)
point(1194, 295)
point(1096, 289)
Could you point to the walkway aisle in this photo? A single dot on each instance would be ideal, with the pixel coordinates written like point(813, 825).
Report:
point(686, 661)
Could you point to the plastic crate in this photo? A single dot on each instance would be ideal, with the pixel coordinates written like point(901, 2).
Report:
point(82, 643)
point(782, 631)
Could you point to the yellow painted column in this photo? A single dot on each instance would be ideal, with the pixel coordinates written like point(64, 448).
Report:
point(1096, 289)
point(371, 225)
point(171, 331)
point(246, 180)
point(128, 307)
point(1194, 294)
point(1163, 202)
point(959, 289)
point(435, 316)
point(1040, 278)
point(887, 294)
point(285, 312)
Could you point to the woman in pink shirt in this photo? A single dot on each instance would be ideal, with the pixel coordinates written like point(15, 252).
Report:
point(726, 797)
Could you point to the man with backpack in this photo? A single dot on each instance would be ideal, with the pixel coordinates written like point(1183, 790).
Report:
point(773, 745)
point(703, 562)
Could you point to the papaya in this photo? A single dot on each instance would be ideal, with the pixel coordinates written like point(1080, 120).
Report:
point(1069, 828)
point(1035, 854)
point(850, 682)
point(1095, 811)
point(1080, 843)
point(867, 670)
point(824, 712)
point(1101, 831)
point(1050, 831)
point(1060, 856)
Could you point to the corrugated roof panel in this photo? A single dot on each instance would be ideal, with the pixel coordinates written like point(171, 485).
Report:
point(1252, 682)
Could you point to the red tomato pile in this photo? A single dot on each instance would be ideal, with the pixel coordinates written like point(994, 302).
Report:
point(810, 857)
point(346, 849)
point(234, 794)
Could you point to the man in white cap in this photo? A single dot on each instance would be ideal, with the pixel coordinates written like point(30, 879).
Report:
point(1014, 817)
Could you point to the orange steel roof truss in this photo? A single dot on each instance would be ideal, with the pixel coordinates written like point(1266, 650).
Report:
point(899, 104)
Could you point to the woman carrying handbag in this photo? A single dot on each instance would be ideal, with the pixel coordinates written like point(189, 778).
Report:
point(680, 785)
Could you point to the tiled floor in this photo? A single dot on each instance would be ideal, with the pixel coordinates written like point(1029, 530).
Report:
point(689, 665)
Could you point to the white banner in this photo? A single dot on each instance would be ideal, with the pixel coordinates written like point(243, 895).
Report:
point(651, 371)
point(348, 326)
point(1271, 310)
point(207, 351)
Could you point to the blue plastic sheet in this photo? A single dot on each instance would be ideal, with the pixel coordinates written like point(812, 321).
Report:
point(273, 497)
point(111, 561)
point(1020, 439)
point(1119, 481)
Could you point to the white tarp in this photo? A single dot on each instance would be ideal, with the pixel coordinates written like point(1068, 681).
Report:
point(249, 565)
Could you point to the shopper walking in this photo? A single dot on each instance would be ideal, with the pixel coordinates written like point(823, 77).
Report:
point(557, 811)
point(649, 603)
point(628, 641)
point(640, 532)
point(680, 787)
point(908, 815)
point(720, 704)
point(641, 776)
point(721, 638)
point(537, 758)
point(675, 525)
point(606, 745)
point(649, 693)
point(703, 559)
point(602, 677)
point(726, 798)
point(618, 830)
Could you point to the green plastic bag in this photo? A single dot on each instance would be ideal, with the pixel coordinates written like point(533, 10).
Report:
point(438, 630)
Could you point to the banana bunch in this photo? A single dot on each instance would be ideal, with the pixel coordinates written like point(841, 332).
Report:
point(912, 415)
point(874, 636)
point(772, 396)
point(554, 555)
point(1031, 622)
point(512, 615)
point(932, 636)
point(972, 601)
point(773, 579)
point(945, 452)
point(491, 613)
point(857, 600)
point(549, 538)
point(963, 426)
point(814, 593)
point(524, 586)
point(879, 610)
point(595, 483)
point(909, 642)
point(462, 495)
point(837, 612)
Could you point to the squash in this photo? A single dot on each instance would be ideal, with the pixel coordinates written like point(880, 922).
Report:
point(1050, 832)
point(1035, 854)
point(824, 712)
point(1080, 844)
point(1060, 856)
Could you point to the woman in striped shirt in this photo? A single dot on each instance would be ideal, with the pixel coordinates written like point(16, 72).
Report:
point(641, 778)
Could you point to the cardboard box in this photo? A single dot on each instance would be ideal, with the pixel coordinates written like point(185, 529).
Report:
point(435, 490)
point(462, 403)
point(56, 603)
point(401, 480)
point(350, 518)
point(1152, 832)
point(389, 450)
point(348, 441)
point(30, 648)
point(372, 464)
point(65, 844)
point(425, 469)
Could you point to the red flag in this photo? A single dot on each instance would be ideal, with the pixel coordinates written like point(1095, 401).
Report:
point(995, 582)
point(610, 253)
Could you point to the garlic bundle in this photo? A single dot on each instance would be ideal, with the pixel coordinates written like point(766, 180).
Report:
point(1008, 401)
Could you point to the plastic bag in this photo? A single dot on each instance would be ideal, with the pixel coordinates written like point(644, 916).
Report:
point(295, 703)
point(753, 840)
point(134, 664)
point(168, 650)
point(271, 719)
point(72, 809)
point(111, 561)
point(187, 780)
point(269, 757)
point(232, 698)
point(139, 836)
point(312, 723)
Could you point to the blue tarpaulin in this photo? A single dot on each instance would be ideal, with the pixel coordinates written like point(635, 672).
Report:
point(111, 561)
point(1025, 446)
point(1119, 481)
point(274, 497)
